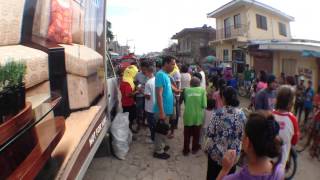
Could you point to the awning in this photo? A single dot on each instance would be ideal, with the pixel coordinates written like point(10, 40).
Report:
point(288, 46)
point(306, 53)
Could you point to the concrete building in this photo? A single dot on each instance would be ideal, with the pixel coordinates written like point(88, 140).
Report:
point(193, 43)
point(117, 48)
point(171, 50)
point(250, 32)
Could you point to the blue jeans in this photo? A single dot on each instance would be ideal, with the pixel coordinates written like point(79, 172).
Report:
point(151, 123)
point(140, 110)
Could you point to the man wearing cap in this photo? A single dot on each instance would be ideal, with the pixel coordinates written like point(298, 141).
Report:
point(266, 98)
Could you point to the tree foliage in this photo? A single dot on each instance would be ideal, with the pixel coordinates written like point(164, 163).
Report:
point(110, 35)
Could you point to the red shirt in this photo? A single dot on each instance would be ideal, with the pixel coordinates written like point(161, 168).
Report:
point(126, 90)
point(316, 102)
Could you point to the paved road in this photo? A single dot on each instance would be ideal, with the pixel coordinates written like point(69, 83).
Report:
point(140, 165)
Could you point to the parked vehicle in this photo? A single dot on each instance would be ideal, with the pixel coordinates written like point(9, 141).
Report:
point(112, 88)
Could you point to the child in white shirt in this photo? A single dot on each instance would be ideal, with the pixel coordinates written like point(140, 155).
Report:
point(149, 94)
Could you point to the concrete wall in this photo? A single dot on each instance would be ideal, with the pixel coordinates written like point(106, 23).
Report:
point(272, 32)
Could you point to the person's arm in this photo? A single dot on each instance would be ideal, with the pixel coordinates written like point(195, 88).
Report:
point(133, 93)
point(229, 158)
point(159, 91)
point(182, 97)
point(223, 172)
point(175, 89)
point(296, 130)
point(204, 99)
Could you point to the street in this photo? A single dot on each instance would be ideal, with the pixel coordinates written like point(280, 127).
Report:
point(140, 164)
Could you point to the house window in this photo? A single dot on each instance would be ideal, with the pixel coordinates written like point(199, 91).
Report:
point(261, 22)
point(225, 54)
point(282, 29)
point(227, 27)
point(237, 21)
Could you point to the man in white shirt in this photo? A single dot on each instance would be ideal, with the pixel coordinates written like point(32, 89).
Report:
point(289, 126)
point(203, 75)
point(149, 94)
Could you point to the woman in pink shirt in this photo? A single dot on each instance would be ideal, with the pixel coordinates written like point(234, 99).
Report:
point(262, 84)
point(217, 95)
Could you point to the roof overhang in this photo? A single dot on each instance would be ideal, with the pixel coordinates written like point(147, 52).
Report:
point(290, 46)
point(188, 31)
point(229, 7)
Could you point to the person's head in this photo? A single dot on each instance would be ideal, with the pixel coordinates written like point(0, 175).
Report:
point(168, 63)
point(198, 75)
point(195, 82)
point(272, 82)
point(230, 97)
point(282, 75)
point(285, 98)
point(199, 68)
point(211, 104)
point(143, 66)
point(290, 80)
point(261, 136)
point(263, 76)
point(309, 84)
point(214, 80)
point(130, 72)
point(301, 80)
point(149, 70)
point(184, 68)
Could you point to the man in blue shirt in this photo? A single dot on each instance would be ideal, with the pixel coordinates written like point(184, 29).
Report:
point(163, 108)
point(308, 101)
point(266, 98)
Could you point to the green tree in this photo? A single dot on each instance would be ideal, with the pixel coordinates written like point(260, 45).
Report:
point(110, 35)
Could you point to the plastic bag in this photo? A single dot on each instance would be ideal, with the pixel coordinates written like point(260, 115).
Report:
point(122, 135)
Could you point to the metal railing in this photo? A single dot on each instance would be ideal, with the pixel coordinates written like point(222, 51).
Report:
point(231, 31)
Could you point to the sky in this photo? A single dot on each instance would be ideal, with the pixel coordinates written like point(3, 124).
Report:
point(148, 25)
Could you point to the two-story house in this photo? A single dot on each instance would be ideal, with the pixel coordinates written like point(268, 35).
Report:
point(250, 32)
point(193, 43)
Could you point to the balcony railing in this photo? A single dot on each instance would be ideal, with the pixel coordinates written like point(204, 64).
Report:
point(231, 32)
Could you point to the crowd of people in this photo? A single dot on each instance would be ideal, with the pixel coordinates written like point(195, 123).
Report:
point(212, 118)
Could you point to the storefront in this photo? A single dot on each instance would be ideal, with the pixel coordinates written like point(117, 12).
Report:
point(292, 58)
point(262, 60)
point(62, 44)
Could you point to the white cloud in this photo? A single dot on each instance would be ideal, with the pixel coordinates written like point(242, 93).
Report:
point(151, 23)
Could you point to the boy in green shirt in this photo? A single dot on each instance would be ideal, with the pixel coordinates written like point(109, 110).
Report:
point(195, 100)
